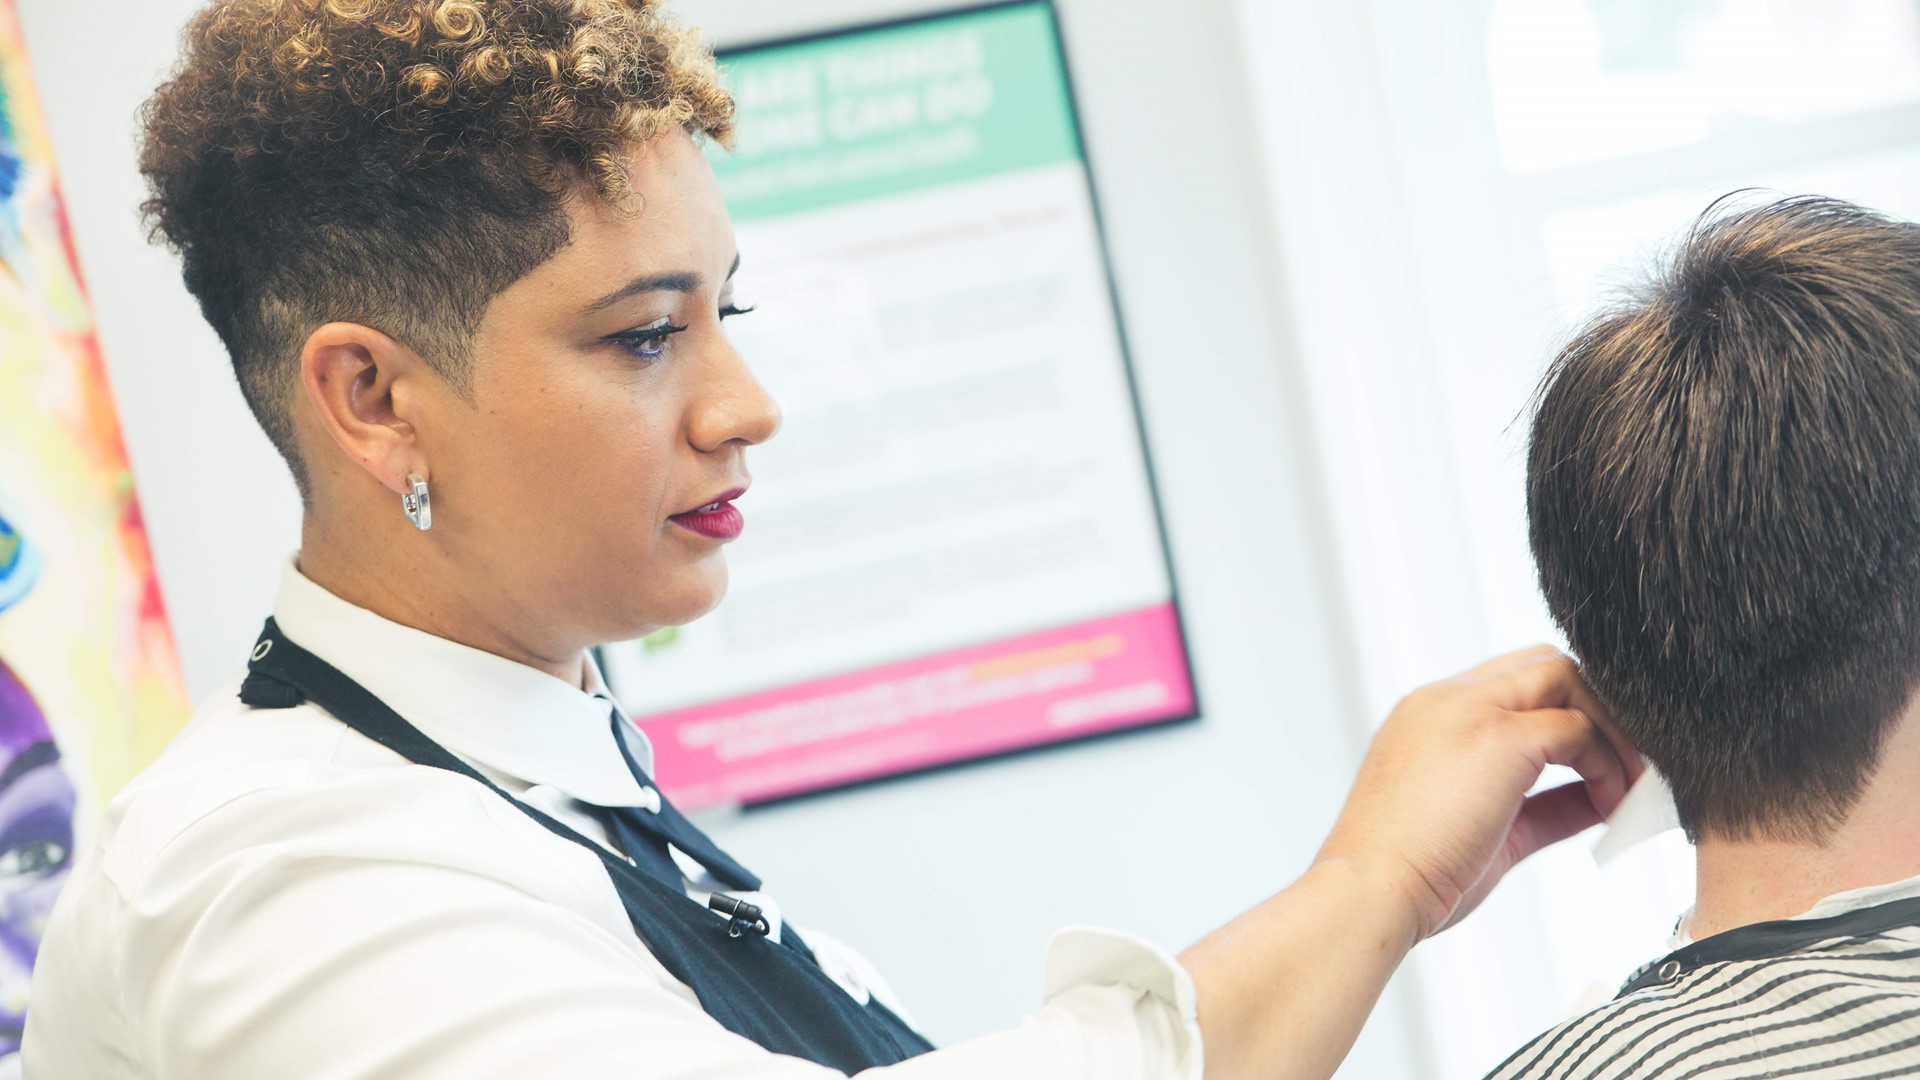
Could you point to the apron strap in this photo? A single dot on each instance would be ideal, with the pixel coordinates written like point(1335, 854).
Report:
point(283, 675)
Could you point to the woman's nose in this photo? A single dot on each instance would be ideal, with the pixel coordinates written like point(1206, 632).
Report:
point(733, 407)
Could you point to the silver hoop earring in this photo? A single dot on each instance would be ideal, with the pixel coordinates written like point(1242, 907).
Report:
point(418, 504)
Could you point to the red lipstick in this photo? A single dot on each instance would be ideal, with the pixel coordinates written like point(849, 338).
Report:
point(718, 519)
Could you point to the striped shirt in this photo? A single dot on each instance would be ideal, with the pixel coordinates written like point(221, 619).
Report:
point(1820, 998)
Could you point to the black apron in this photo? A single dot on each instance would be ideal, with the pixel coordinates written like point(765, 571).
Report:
point(770, 993)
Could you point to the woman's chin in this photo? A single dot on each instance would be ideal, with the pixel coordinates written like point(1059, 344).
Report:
point(676, 607)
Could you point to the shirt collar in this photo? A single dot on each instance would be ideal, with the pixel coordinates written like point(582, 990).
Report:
point(494, 713)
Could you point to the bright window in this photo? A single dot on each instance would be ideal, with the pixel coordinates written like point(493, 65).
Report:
point(1576, 80)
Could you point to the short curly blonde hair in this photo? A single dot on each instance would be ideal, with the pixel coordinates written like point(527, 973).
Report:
point(397, 162)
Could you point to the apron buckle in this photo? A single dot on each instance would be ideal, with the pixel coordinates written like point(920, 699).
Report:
point(741, 916)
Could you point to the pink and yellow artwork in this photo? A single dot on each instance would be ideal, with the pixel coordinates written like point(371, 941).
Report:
point(90, 686)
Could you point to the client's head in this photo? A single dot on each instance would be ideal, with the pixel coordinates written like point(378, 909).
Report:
point(477, 242)
point(1723, 494)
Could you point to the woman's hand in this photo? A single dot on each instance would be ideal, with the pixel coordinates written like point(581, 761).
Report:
point(1441, 804)
point(1438, 813)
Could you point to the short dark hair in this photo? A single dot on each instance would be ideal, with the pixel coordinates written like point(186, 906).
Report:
point(397, 163)
point(1723, 499)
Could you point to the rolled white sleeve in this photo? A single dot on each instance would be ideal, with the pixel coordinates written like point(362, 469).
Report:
point(406, 925)
point(1117, 1008)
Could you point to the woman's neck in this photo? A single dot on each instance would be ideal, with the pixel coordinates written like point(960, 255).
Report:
point(404, 585)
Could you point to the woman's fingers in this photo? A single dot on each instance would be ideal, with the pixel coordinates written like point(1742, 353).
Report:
point(1546, 678)
point(1442, 792)
point(1570, 737)
point(1506, 661)
point(1549, 817)
point(1538, 679)
point(1630, 758)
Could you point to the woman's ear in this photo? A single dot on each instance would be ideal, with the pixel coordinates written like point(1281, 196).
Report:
point(367, 391)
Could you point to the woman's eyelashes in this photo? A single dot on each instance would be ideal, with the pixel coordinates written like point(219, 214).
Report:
point(647, 342)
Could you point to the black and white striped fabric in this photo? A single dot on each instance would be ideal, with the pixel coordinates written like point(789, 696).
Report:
point(1814, 998)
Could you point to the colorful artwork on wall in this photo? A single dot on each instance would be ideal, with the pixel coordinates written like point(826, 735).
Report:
point(90, 687)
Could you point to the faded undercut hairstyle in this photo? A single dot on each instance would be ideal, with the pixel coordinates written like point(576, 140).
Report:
point(1723, 493)
point(397, 163)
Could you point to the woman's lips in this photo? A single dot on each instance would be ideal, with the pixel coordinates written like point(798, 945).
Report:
point(718, 520)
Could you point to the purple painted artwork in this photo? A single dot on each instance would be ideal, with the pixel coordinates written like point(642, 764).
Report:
point(37, 802)
point(36, 845)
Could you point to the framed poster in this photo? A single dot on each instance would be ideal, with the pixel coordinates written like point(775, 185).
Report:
point(953, 549)
point(90, 688)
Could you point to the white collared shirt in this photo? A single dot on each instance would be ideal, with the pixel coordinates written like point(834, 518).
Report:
point(280, 896)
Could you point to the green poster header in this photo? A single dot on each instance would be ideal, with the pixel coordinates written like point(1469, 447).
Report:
point(878, 112)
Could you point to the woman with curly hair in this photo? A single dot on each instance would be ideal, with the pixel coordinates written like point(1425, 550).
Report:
point(471, 267)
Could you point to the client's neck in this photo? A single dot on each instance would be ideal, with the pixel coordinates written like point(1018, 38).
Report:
point(1759, 879)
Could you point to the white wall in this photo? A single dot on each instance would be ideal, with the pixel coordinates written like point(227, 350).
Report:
point(951, 882)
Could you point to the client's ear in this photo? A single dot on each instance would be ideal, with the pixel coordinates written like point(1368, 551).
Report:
point(370, 393)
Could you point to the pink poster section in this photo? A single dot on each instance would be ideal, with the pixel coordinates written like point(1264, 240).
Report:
point(1111, 673)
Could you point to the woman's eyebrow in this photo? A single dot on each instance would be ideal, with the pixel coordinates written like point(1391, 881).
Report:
point(680, 281)
point(685, 281)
